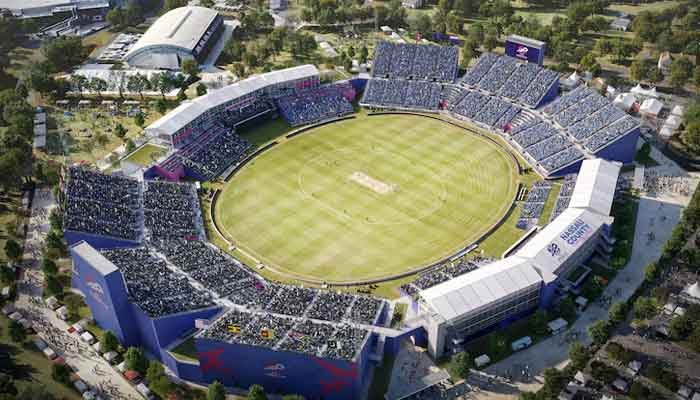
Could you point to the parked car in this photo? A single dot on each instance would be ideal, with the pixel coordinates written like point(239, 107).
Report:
point(80, 386)
point(40, 344)
point(49, 353)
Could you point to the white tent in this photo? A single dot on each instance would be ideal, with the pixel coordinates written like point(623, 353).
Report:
point(571, 81)
point(639, 90)
point(673, 122)
point(625, 101)
point(651, 107)
point(677, 111)
point(666, 132)
point(692, 291)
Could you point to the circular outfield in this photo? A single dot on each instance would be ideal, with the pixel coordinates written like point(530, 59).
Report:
point(367, 198)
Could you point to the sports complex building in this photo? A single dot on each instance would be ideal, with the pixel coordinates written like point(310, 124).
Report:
point(142, 258)
point(180, 34)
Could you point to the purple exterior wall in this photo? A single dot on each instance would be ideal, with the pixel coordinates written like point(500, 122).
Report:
point(107, 298)
point(525, 52)
point(97, 241)
point(283, 372)
point(571, 169)
point(623, 150)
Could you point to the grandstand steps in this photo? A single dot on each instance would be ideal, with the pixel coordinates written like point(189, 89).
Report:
point(453, 95)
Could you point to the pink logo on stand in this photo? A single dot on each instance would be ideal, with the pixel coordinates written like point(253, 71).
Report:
point(275, 371)
point(521, 52)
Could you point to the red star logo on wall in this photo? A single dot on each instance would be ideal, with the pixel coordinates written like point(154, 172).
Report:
point(340, 377)
point(209, 360)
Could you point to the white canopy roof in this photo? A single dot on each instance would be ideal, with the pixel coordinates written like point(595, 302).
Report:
point(693, 290)
point(673, 122)
point(644, 92)
point(476, 289)
point(555, 244)
point(651, 107)
point(94, 258)
point(678, 110)
point(625, 100)
point(181, 27)
point(187, 112)
point(595, 186)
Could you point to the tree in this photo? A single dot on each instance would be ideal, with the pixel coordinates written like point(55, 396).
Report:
point(538, 322)
point(461, 363)
point(694, 338)
point(7, 275)
point(206, 3)
point(256, 392)
point(639, 391)
point(137, 83)
point(420, 23)
point(130, 146)
point(35, 392)
point(63, 52)
point(617, 312)
point(190, 67)
point(599, 332)
point(681, 70)
point(49, 266)
point(120, 131)
point(13, 250)
point(216, 391)
point(53, 285)
point(579, 355)
point(644, 307)
point(490, 42)
point(364, 53)
point(172, 4)
point(292, 397)
point(681, 327)
point(17, 333)
point(116, 17)
point(567, 309)
point(651, 272)
point(161, 106)
point(139, 120)
point(98, 85)
point(691, 136)
point(468, 53)
point(7, 384)
point(135, 360)
point(201, 89)
point(108, 342)
point(61, 373)
point(619, 353)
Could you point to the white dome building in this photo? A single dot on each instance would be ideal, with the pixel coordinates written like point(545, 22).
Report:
point(180, 34)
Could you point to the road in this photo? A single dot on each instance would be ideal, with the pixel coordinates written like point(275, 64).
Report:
point(91, 368)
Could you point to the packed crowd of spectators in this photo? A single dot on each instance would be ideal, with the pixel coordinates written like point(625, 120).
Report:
point(611, 133)
point(525, 83)
point(291, 300)
point(330, 306)
point(415, 61)
point(561, 159)
point(591, 124)
point(443, 273)
point(216, 151)
point(329, 340)
point(171, 210)
point(152, 286)
point(567, 188)
point(206, 264)
point(533, 205)
point(402, 94)
point(315, 104)
point(470, 104)
point(102, 204)
point(234, 116)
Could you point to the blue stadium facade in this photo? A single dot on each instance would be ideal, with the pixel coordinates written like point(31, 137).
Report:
point(526, 49)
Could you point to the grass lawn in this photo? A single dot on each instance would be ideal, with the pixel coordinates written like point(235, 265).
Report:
point(265, 132)
point(146, 154)
point(549, 204)
point(185, 350)
point(31, 366)
point(339, 199)
point(634, 10)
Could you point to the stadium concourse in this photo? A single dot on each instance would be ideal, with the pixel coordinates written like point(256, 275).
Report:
point(141, 257)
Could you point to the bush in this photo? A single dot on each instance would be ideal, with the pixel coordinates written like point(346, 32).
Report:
point(665, 377)
point(49, 266)
point(639, 392)
point(619, 353)
point(599, 332)
point(61, 373)
point(579, 355)
point(135, 360)
point(216, 391)
point(603, 372)
point(645, 307)
point(460, 364)
point(617, 312)
point(17, 333)
point(109, 342)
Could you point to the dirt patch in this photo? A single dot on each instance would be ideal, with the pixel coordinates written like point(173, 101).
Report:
point(373, 184)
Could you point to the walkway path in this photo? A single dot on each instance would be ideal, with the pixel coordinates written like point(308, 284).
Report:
point(91, 368)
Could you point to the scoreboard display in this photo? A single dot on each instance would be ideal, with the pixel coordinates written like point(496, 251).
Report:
point(526, 49)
